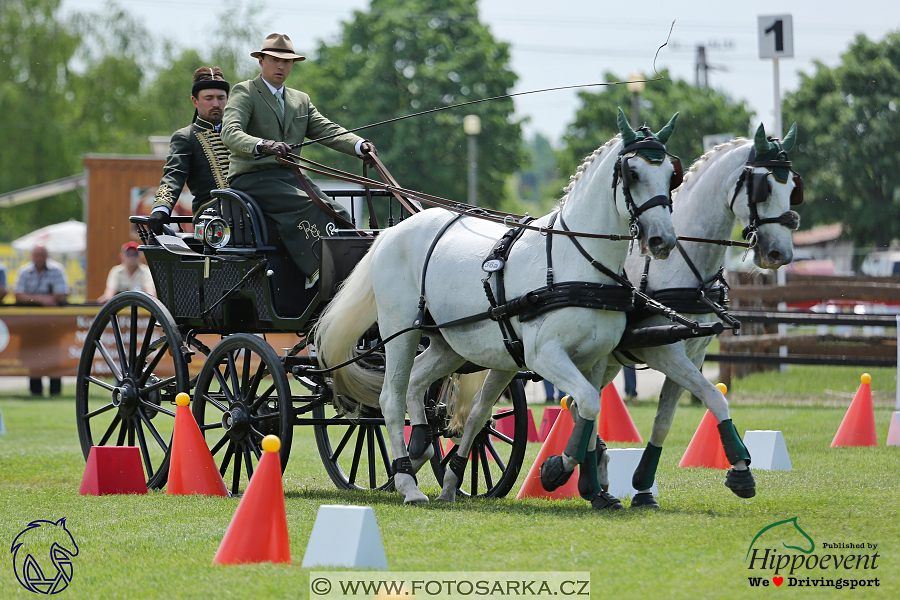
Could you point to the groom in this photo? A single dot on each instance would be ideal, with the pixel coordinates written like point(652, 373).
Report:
point(262, 119)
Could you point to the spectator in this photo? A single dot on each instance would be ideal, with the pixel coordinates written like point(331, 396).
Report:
point(130, 275)
point(630, 375)
point(552, 393)
point(2, 282)
point(42, 282)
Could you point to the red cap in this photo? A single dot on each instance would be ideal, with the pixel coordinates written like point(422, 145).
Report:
point(129, 246)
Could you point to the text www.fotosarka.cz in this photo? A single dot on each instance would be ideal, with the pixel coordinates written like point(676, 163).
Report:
point(450, 585)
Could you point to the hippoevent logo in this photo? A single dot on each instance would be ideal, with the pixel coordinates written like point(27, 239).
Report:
point(782, 553)
point(42, 556)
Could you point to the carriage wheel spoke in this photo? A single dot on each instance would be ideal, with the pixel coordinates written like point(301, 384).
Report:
point(146, 453)
point(257, 378)
point(357, 454)
point(340, 448)
point(145, 347)
point(103, 384)
point(131, 425)
point(215, 449)
point(232, 371)
point(261, 398)
point(113, 368)
point(236, 475)
point(99, 411)
point(149, 405)
point(500, 436)
point(158, 385)
point(132, 340)
point(385, 458)
point(110, 430)
point(245, 375)
point(226, 460)
point(123, 429)
point(370, 451)
point(496, 455)
point(215, 402)
point(248, 462)
point(223, 385)
point(488, 481)
point(120, 347)
point(153, 431)
point(474, 461)
point(153, 363)
point(450, 454)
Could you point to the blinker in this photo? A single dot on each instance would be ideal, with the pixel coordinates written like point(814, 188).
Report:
point(761, 187)
point(797, 192)
point(677, 173)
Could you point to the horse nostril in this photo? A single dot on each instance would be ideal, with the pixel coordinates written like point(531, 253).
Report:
point(774, 257)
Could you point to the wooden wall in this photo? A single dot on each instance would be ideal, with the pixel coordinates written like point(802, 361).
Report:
point(111, 179)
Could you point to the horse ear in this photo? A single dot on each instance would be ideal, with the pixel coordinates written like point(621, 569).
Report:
point(628, 135)
point(790, 139)
point(666, 132)
point(760, 143)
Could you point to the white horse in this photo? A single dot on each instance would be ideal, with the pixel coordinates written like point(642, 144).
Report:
point(566, 345)
point(706, 206)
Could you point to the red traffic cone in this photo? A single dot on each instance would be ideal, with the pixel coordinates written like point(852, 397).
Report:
point(705, 449)
point(554, 444)
point(113, 470)
point(551, 413)
point(858, 426)
point(507, 427)
point(258, 530)
point(615, 422)
point(192, 469)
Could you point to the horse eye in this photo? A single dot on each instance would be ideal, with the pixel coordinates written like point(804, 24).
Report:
point(634, 175)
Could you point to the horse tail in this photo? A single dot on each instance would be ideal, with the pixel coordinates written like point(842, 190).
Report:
point(468, 386)
point(346, 318)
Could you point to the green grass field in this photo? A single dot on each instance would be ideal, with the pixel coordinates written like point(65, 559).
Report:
point(156, 546)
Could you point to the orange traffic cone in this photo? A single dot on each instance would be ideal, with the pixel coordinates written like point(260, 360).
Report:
point(554, 444)
point(192, 469)
point(615, 422)
point(858, 426)
point(507, 427)
point(551, 413)
point(705, 449)
point(258, 530)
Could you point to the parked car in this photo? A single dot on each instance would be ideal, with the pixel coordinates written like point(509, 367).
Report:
point(884, 263)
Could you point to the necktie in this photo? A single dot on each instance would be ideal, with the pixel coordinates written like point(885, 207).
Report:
point(280, 101)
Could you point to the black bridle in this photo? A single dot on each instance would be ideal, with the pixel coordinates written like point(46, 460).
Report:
point(622, 171)
point(759, 187)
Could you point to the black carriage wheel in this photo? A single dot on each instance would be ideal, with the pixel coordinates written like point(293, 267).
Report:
point(127, 381)
point(495, 458)
point(243, 395)
point(359, 458)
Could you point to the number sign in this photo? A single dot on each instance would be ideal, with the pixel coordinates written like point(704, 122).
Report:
point(776, 36)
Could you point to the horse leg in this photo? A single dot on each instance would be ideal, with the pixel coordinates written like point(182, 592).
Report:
point(684, 372)
point(399, 356)
point(438, 361)
point(482, 403)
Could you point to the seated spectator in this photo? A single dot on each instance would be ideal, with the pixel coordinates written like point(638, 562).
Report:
point(42, 282)
point(130, 275)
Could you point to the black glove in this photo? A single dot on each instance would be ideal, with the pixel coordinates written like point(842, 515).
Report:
point(279, 149)
point(367, 149)
point(157, 220)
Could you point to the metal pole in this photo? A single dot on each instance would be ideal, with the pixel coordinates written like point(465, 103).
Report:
point(778, 132)
point(634, 111)
point(473, 170)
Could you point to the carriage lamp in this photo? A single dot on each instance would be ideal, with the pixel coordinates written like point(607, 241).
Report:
point(212, 229)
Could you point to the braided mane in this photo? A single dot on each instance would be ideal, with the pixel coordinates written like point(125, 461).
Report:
point(697, 164)
point(584, 166)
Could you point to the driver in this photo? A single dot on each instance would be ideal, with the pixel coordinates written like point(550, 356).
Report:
point(263, 118)
point(197, 156)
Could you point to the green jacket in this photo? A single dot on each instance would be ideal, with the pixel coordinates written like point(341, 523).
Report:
point(198, 158)
point(252, 114)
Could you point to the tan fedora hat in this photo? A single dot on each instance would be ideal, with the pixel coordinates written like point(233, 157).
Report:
point(278, 45)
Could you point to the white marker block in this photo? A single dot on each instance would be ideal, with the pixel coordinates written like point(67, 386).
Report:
point(622, 463)
point(893, 438)
point(767, 450)
point(3, 425)
point(345, 536)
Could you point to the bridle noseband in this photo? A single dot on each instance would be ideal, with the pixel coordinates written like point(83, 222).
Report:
point(621, 170)
point(759, 187)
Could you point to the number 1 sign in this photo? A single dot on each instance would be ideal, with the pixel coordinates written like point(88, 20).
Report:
point(776, 36)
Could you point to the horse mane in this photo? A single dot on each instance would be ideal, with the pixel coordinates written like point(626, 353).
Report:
point(584, 166)
point(697, 164)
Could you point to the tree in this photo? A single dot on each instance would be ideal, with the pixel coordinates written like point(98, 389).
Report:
point(407, 56)
point(849, 133)
point(704, 111)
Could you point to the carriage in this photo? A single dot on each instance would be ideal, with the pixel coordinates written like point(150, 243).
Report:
point(223, 291)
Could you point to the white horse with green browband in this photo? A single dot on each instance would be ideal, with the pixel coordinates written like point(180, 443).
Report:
point(567, 345)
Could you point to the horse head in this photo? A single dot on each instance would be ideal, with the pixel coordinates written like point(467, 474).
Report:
point(770, 188)
point(647, 177)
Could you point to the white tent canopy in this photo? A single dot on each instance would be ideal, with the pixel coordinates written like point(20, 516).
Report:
point(69, 237)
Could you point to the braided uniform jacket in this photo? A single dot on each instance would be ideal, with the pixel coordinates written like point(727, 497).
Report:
point(197, 158)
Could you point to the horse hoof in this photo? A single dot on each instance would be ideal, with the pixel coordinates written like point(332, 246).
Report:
point(644, 500)
point(414, 499)
point(741, 483)
point(606, 501)
point(553, 474)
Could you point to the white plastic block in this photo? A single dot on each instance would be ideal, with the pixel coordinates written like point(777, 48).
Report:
point(893, 438)
point(2, 424)
point(345, 536)
point(768, 451)
point(622, 463)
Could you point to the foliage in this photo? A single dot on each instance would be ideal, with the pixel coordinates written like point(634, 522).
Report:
point(404, 57)
point(703, 111)
point(849, 134)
